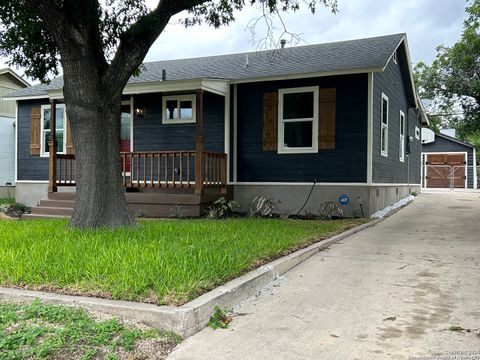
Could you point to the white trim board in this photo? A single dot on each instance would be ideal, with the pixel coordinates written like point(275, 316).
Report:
point(317, 184)
point(475, 180)
point(32, 181)
point(370, 116)
point(226, 140)
point(235, 133)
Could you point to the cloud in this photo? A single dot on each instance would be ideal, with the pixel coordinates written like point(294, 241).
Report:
point(428, 24)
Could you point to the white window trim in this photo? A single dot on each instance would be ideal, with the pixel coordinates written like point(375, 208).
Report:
point(286, 150)
point(179, 98)
point(44, 152)
point(382, 125)
point(417, 133)
point(402, 137)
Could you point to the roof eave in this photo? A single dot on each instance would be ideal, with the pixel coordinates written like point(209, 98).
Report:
point(308, 75)
point(15, 75)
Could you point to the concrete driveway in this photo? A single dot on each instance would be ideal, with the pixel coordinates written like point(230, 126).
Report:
point(406, 288)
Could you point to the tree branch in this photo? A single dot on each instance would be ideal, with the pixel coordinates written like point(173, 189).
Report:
point(139, 37)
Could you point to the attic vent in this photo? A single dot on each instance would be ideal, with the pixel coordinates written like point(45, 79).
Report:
point(247, 63)
point(164, 74)
point(283, 42)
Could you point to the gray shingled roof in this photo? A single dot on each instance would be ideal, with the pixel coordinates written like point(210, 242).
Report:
point(337, 56)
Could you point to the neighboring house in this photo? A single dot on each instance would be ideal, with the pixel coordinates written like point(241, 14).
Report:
point(342, 115)
point(447, 162)
point(9, 81)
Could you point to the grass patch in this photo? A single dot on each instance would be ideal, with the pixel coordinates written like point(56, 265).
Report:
point(7, 201)
point(39, 331)
point(163, 262)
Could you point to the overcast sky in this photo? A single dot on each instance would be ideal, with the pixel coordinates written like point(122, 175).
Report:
point(427, 23)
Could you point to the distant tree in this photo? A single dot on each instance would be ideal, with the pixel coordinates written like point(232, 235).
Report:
point(100, 45)
point(452, 81)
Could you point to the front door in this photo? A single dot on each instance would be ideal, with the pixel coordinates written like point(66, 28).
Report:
point(125, 135)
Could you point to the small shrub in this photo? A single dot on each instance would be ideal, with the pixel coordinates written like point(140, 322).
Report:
point(262, 206)
point(13, 208)
point(330, 209)
point(414, 193)
point(221, 208)
point(219, 319)
point(19, 208)
point(213, 213)
point(226, 206)
point(4, 208)
point(176, 211)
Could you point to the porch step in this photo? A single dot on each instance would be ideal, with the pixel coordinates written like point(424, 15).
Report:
point(58, 203)
point(69, 196)
point(40, 216)
point(51, 210)
point(143, 204)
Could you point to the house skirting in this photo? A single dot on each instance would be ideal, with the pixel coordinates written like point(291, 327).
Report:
point(7, 192)
point(294, 196)
point(31, 192)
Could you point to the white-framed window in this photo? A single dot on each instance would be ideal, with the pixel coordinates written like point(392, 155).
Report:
point(417, 133)
point(298, 120)
point(178, 109)
point(384, 126)
point(60, 129)
point(402, 136)
point(394, 57)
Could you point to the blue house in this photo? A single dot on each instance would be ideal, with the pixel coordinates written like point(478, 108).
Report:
point(326, 120)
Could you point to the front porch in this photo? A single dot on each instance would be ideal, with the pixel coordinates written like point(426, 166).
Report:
point(155, 181)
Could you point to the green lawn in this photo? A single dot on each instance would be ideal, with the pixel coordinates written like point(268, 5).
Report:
point(162, 262)
point(39, 331)
point(7, 201)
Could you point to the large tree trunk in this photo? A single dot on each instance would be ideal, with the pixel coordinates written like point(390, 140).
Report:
point(100, 198)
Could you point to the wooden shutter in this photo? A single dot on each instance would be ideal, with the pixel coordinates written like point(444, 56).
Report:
point(35, 131)
point(69, 139)
point(327, 118)
point(270, 120)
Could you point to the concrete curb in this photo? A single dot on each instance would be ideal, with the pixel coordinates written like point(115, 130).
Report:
point(189, 318)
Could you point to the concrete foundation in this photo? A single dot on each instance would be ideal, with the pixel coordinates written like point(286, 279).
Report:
point(7, 192)
point(293, 197)
point(30, 194)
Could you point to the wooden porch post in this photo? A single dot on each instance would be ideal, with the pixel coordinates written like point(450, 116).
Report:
point(52, 148)
point(200, 140)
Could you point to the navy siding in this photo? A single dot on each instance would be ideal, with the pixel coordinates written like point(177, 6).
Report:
point(390, 169)
point(151, 135)
point(442, 145)
point(149, 132)
point(346, 163)
point(29, 167)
